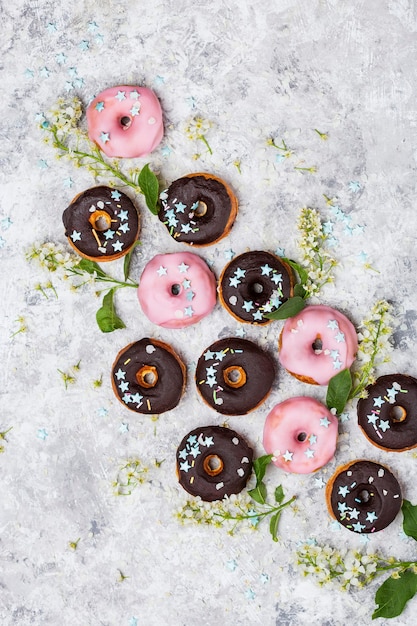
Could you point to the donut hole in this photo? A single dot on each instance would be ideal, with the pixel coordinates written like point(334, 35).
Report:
point(234, 376)
point(147, 376)
point(364, 496)
point(213, 465)
point(100, 220)
point(302, 436)
point(398, 413)
point(125, 122)
point(201, 209)
point(317, 345)
point(176, 289)
point(257, 288)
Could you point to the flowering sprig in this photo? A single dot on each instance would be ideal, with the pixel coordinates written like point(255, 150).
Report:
point(64, 133)
point(249, 506)
point(196, 130)
point(318, 262)
point(283, 148)
point(22, 326)
point(316, 267)
point(54, 258)
point(375, 332)
point(69, 378)
point(285, 153)
point(352, 569)
point(373, 349)
point(130, 475)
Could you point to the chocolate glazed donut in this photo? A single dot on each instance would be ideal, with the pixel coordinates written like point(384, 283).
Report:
point(213, 462)
point(101, 224)
point(388, 415)
point(255, 283)
point(234, 376)
point(198, 209)
point(148, 377)
point(363, 496)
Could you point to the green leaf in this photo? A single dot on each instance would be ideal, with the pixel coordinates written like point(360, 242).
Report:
point(300, 291)
point(260, 464)
point(410, 519)
point(394, 593)
point(273, 525)
point(90, 267)
point(302, 273)
point(258, 493)
point(279, 494)
point(128, 258)
point(338, 391)
point(106, 316)
point(149, 186)
point(288, 309)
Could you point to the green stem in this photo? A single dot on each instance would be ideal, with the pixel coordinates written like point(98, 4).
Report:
point(396, 565)
point(206, 143)
point(262, 514)
point(107, 279)
point(97, 158)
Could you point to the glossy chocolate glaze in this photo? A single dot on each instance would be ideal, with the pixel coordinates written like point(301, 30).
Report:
point(364, 496)
point(214, 384)
point(255, 283)
point(159, 358)
point(180, 201)
point(388, 416)
point(228, 448)
point(121, 223)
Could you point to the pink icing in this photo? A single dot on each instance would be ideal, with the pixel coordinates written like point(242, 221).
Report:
point(301, 433)
point(167, 274)
point(142, 114)
point(339, 343)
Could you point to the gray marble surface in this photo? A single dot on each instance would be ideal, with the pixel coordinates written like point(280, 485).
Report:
point(255, 70)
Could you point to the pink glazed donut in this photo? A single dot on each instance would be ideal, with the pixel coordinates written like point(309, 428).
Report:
point(317, 343)
point(301, 433)
point(125, 121)
point(177, 290)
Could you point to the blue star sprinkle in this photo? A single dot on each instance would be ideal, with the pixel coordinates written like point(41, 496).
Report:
point(42, 434)
point(105, 137)
point(99, 106)
point(117, 246)
point(184, 467)
point(61, 58)
point(247, 305)
point(120, 374)
point(354, 186)
point(384, 425)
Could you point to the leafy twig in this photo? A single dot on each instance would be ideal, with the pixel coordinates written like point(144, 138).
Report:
point(352, 568)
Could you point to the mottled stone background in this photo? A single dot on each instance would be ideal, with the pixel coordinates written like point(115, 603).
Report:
point(254, 69)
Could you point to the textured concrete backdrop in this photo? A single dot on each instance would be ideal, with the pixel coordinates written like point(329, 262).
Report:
point(255, 70)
